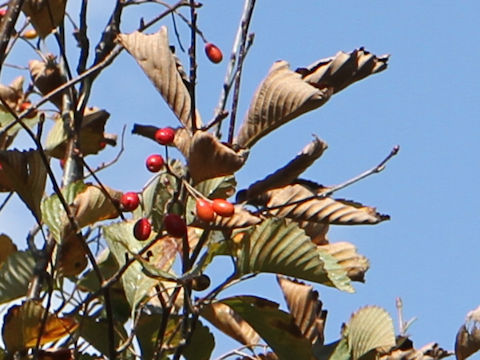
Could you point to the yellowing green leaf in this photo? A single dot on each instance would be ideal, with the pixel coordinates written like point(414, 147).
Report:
point(45, 15)
point(16, 274)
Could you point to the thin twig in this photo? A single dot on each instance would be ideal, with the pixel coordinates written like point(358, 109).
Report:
point(193, 65)
point(7, 26)
point(6, 200)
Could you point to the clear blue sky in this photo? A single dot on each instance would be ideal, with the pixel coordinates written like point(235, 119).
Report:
point(427, 101)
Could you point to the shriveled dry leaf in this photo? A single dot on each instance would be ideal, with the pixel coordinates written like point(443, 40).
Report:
point(346, 254)
point(22, 326)
point(225, 319)
point(240, 219)
point(47, 76)
point(282, 96)
point(343, 69)
point(369, 328)
point(92, 136)
point(45, 15)
point(7, 247)
point(209, 158)
point(317, 231)
point(305, 307)
point(431, 351)
point(12, 94)
point(468, 336)
point(153, 54)
point(72, 257)
point(287, 174)
point(24, 172)
point(338, 212)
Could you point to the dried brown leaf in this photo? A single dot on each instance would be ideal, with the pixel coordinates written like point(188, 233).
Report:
point(431, 351)
point(282, 96)
point(12, 94)
point(305, 307)
point(7, 247)
point(338, 212)
point(47, 76)
point(291, 171)
point(45, 15)
point(240, 219)
point(343, 69)
point(153, 54)
point(346, 254)
point(468, 336)
point(209, 158)
point(92, 135)
point(227, 320)
point(24, 173)
point(317, 231)
point(72, 257)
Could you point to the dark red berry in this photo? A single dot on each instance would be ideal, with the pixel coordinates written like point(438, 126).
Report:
point(130, 201)
point(204, 210)
point(155, 162)
point(175, 225)
point(142, 229)
point(200, 282)
point(3, 12)
point(165, 136)
point(223, 207)
point(214, 54)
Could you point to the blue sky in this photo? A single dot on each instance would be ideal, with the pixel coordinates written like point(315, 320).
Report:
point(427, 101)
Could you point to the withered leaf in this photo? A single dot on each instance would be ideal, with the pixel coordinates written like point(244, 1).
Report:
point(45, 15)
point(346, 254)
point(468, 336)
point(305, 307)
point(282, 96)
point(209, 158)
point(153, 54)
point(22, 326)
point(47, 76)
point(92, 136)
point(225, 319)
point(24, 172)
point(317, 231)
point(338, 212)
point(72, 257)
point(343, 69)
point(289, 172)
point(431, 351)
point(12, 94)
point(7, 247)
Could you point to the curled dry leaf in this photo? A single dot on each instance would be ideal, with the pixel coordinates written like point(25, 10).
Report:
point(240, 219)
point(282, 96)
point(306, 207)
point(23, 325)
point(47, 76)
point(287, 174)
point(317, 231)
point(346, 254)
point(92, 136)
point(153, 54)
point(468, 336)
point(305, 307)
point(209, 158)
point(12, 94)
point(343, 69)
point(369, 328)
point(431, 351)
point(225, 319)
point(45, 15)
point(24, 173)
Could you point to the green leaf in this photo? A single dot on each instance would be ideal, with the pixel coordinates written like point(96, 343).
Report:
point(369, 328)
point(273, 325)
point(277, 247)
point(122, 244)
point(8, 121)
point(201, 344)
point(15, 275)
point(220, 187)
point(54, 213)
point(337, 350)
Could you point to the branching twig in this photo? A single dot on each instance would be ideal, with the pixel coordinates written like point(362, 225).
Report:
point(7, 26)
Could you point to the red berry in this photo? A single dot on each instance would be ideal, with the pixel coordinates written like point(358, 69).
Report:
point(204, 210)
point(129, 201)
point(214, 54)
point(165, 136)
point(62, 163)
point(175, 225)
point(223, 207)
point(155, 163)
point(142, 229)
point(3, 12)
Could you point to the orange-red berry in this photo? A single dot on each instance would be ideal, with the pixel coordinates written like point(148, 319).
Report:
point(30, 34)
point(165, 136)
point(223, 207)
point(175, 225)
point(129, 201)
point(155, 162)
point(142, 229)
point(204, 210)
point(214, 54)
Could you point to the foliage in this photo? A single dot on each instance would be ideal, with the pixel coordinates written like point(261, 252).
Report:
point(136, 298)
